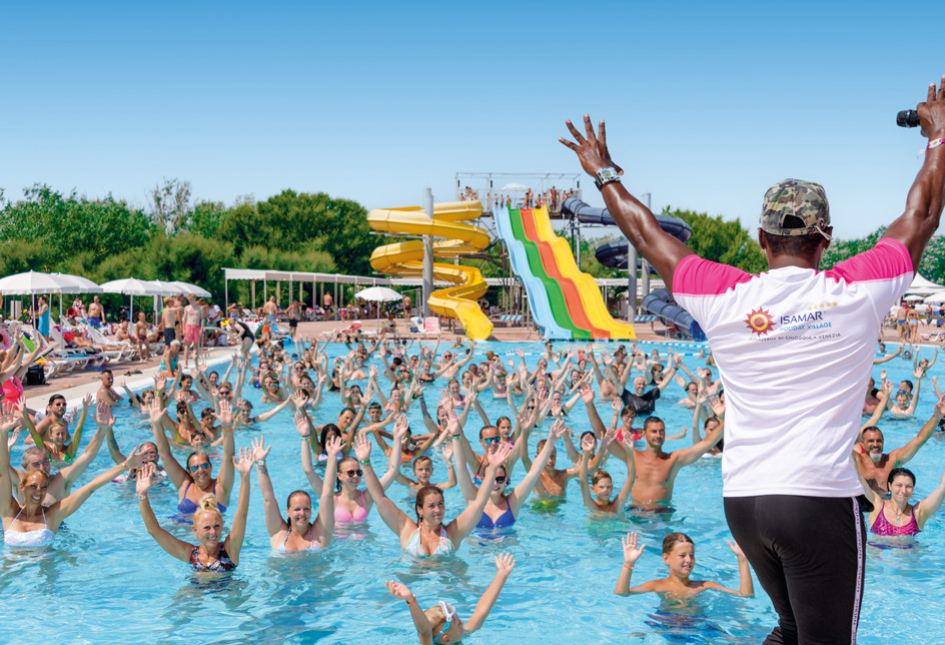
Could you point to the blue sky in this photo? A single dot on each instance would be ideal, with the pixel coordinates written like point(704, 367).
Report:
point(707, 104)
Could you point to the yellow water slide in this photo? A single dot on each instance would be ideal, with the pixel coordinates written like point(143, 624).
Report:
point(590, 295)
point(406, 258)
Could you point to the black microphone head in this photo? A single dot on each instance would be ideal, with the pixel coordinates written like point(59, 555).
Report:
point(907, 119)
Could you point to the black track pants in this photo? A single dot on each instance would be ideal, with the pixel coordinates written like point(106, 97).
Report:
point(808, 554)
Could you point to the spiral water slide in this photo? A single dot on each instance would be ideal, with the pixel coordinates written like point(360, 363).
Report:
point(575, 304)
point(406, 258)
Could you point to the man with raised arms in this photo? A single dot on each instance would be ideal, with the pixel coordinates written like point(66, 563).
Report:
point(793, 382)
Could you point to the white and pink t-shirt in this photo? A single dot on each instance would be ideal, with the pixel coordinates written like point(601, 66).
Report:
point(795, 350)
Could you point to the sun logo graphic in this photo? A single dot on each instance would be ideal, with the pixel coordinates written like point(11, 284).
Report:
point(759, 321)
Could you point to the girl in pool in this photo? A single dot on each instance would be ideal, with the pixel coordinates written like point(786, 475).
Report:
point(57, 442)
point(603, 484)
point(899, 517)
point(679, 554)
point(440, 624)
point(350, 503)
point(299, 533)
point(196, 481)
point(428, 535)
point(210, 554)
point(31, 525)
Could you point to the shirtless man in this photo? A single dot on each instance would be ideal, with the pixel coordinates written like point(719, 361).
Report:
point(656, 470)
point(96, 313)
point(551, 481)
point(293, 313)
point(327, 303)
point(193, 323)
point(106, 393)
point(271, 308)
point(874, 465)
point(169, 320)
point(141, 337)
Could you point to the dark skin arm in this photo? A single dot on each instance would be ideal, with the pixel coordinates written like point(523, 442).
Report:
point(634, 219)
point(918, 223)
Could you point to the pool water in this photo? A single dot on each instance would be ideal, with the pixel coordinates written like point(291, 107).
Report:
point(105, 580)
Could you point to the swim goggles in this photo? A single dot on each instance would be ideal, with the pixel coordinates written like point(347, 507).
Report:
point(449, 612)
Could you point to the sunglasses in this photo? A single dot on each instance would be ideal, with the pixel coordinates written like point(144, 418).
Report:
point(490, 440)
point(501, 480)
point(352, 473)
point(196, 467)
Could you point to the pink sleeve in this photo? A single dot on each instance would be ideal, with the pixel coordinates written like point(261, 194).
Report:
point(695, 276)
point(888, 260)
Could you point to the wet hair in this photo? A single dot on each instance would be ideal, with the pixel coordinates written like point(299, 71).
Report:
point(802, 245)
point(673, 539)
point(288, 500)
point(484, 428)
point(328, 429)
point(588, 432)
point(109, 372)
point(338, 472)
point(347, 408)
point(206, 412)
point(652, 421)
point(896, 472)
point(181, 407)
point(501, 419)
point(54, 398)
point(422, 495)
point(909, 383)
point(207, 504)
point(30, 472)
point(420, 459)
point(599, 475)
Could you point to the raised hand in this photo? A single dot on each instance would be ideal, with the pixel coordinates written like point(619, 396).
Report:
point(86, 402)
point(400, 427)
point(143, 483)
point(587, 393)
point(103, 414)
point(500, 456)
point(259, 451)
point(737, 550)
point(398, 590)
point(135, 459)
point(156, 411)
point(882, 376)
point(333, 446)
point(245, 462)
point(631, 552)
point(362, 447)
point(558, 430)
point(505, 562)
point(299, 400)
point(616, 405)
point(447, 452)
point(226, 414)
point(587, 444)
point(302, 425)
point(940, 407)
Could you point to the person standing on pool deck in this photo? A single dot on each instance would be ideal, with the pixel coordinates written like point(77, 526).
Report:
point(96, 313)
point(794, 348)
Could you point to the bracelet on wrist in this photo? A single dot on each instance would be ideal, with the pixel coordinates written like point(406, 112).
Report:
point(366, 462)
point(935, 143)
point(627, 566)
point(261, 462)
point(409, 601)
point(141, 496)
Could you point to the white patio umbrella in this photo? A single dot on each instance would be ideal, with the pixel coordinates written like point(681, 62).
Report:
point(378, 294)
point(939, 296)
point(923, 287)
point(187, 287)
point(30, 283)
point(74, 284)
point(166, 288)
point(132, 287)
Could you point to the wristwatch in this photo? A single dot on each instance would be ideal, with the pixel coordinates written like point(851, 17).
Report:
point(605, 176)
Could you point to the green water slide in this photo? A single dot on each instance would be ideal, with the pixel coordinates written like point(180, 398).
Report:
point(559, 307)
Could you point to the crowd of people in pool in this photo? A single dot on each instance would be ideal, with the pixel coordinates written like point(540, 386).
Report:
point(377, 382)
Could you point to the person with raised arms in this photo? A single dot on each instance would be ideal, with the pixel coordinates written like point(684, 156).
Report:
point(440, 623)
point(895, 516)
point(603, 483)
point(428, 535)
point(679, 554)
point(298, 532)
point(809, 336)
point(210, 553)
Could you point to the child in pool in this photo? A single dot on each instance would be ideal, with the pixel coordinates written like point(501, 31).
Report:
point(680, 556)
point(440, 624)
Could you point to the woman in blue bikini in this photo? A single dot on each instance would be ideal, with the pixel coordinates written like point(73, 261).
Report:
point(196, 481)
point(210, 554)
point(428, 535)
point(502, 508)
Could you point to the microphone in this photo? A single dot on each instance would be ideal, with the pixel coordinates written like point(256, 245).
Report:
point(907, 119)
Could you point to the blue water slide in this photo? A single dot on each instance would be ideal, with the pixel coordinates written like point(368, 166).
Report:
point(660, 303)
point(537, 296)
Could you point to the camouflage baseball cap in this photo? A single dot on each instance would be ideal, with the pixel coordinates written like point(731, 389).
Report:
point(801, 203)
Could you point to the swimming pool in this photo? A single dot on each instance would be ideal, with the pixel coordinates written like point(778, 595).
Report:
point(105, 580)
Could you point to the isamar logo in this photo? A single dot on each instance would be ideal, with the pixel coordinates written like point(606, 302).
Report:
point(813, 318)
point(759, 322)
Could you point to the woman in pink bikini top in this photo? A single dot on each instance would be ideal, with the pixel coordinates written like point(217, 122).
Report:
point(896, 516)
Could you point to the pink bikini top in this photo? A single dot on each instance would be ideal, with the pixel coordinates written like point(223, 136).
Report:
point(342, 515)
